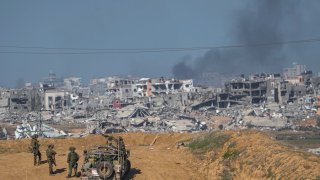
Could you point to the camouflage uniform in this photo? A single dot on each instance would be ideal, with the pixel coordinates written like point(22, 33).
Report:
point(35, 145)
point(86, 156)
point(121, 144)
point(51, 158)
point(73, 158)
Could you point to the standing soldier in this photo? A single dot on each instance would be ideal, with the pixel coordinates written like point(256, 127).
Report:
point(73, 158)
point(35, 145)
point(121, 144)
point(51, 158)
point(86, 156)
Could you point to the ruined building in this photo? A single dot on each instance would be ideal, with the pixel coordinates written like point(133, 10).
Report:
point(25, 100)
point(55, 100)
point(244, 91)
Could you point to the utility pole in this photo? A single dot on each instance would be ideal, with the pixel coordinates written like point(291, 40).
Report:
point(39, 124)
point(279, 93)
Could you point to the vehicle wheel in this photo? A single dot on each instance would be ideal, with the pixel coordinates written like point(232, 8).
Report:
point(105, 170)
point(128, 167)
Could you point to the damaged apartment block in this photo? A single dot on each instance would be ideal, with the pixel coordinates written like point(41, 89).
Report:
point(25, 100)
point(243, 91)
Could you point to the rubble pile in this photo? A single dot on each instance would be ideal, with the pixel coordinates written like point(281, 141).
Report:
point(117, 104)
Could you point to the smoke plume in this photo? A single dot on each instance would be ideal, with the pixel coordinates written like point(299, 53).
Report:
point(261, 22)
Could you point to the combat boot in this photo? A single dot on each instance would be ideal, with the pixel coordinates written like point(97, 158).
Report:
point(75, 172)
point(69, 176)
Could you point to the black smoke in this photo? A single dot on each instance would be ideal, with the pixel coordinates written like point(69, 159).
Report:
point(183, 70)
point(262, 21)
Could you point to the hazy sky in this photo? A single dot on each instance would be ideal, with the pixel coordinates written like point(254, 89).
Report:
point(126, 24)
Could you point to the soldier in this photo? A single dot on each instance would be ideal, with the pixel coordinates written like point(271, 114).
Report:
point(86, 156)
point(73, 158)
point(121, 144)
point(51, 158)
point(35, 145)
point(110, 140)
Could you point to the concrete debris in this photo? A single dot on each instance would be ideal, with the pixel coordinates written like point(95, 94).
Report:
point(117, 104)
point(3, 134)
point(315, 151)
point(26, 130)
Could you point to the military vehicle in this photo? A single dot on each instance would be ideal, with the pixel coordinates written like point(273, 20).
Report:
point(106, 162)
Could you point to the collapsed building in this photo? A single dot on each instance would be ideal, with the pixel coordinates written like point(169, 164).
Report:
point(262, 88)
point(161, 105)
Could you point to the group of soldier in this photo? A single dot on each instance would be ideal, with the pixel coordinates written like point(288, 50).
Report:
point(72, 159)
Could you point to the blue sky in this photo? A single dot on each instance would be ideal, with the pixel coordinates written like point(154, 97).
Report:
point(121, 24)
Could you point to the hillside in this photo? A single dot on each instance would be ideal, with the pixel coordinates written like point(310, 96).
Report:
point(254, 155)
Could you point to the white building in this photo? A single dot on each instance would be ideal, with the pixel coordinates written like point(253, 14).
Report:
point(54, 99)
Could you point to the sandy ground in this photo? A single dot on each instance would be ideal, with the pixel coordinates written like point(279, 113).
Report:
point(260, 157)
point(161, 161)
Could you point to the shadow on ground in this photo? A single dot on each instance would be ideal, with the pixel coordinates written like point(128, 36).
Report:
point(59, 171)
point(132, 173)
point(44, 162)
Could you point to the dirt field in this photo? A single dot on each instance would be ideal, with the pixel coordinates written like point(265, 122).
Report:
point(161, 161)
point(252, 155)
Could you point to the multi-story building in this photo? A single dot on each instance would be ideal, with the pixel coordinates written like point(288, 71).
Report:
point(147, 87)
point(25, 100)
point(125, 88)
point(55, 99)
point(293, 72)
point(72, 82)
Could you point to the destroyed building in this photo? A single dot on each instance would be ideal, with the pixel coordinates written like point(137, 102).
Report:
point(121, 88)
point(152, 87)
point(292, 72)
point(4, 100)
point(244, 91)
point(51, 81)
point(25, 100)
point(98, 86)
point(55, 100)
point(262, 88)
point(256, 89)
point(266, 100)
point(72, 83)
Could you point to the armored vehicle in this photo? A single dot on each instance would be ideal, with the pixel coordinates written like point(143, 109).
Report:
point(106, 162)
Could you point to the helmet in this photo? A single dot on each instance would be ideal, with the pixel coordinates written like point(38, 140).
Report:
point(72, 148)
